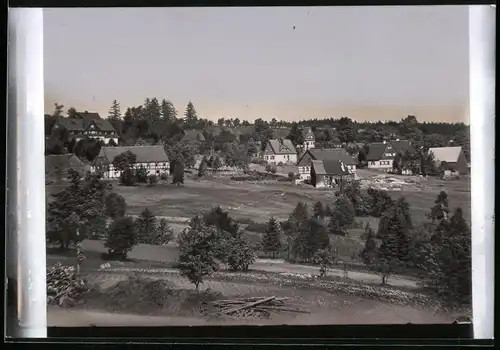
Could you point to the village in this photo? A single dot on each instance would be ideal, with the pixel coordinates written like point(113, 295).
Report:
point(289, 212)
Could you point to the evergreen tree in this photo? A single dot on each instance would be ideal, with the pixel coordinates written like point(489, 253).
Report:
point(369, 253)
point(440, 209)
point(178, 175)
point(394, 232)
point(116, 206)
point(296, 135)
point(114, 111)
point(202, 170)
point(146, 227)
point(190, 116)
point(271, 241)
point(168, 111)
point(312, 236)
point(319, 210)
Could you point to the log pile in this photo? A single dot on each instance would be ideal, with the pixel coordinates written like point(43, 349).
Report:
point(252, 307)
point(64, 287)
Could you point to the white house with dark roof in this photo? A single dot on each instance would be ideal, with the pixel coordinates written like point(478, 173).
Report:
point(153, 158)
point(381, 154)
point(335, 154)
point(452, 158)
point(87, 124)
point(280, 151)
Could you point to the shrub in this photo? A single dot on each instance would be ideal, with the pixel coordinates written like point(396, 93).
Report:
point(141, 174)
point(241, 255)
point(152, 180)
point(122, 237)
point(291, 176)
point(164, 176)
point(128, 178)
point(116, 205)
point(274, 169)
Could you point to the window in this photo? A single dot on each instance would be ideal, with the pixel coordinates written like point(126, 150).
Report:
point(272, 157)
point(267, 157)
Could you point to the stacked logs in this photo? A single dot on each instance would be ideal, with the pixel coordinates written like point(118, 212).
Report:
point(252, 307)
point(64, 287)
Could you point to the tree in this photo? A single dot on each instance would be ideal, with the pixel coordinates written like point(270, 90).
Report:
point(146, 227)
point(77, 207)
point(216, 163)
point(312, 236)
point(128, 177)
point(190, 116)
point(197, 259)
point(58, 110)
point(152, 180)
point(222, 221)
point(296, 135)
point(241, 255)
point(116, 206)
point(122, 237)
point(440, 209)
point(71, 112)
point(178, 176)
point(141, 174)
point(342, 216)
point(124, 160)
point(346, 130)
point(319, 210)
point(164, 233)
point(271, 241)
point(168, 111)
point(202, 170)
point(325, 259)
point(112, 143)
point(114, 111)
point(397, 163)
point(369, 253)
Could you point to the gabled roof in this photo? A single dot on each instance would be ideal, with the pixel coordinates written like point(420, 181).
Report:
point(446, 154)
point(283, 146)
point(329, 167)
point(54, 163)
point(82, 121)
point(329, 154)
point(144, 154)
point(401, 146)
point(377, 149)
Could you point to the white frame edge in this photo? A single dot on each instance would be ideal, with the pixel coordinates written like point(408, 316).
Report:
point(482, 26)
point(26, 260)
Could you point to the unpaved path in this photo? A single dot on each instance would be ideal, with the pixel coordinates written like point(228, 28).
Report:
point(170, 253)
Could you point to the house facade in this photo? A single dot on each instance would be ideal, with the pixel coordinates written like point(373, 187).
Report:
point(152, 158)
point(381, 154)
point(451, 158)
point(309, 139)
point(336, 154)
point(91, 125)
point(329, 173)
point(280, 151)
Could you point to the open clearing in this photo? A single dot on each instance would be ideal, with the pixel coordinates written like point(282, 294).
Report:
point(260, 201)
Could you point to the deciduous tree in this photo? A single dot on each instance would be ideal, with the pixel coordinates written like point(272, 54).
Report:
point(271, 241)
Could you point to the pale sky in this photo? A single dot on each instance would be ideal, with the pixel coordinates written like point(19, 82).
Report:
point(368, 63)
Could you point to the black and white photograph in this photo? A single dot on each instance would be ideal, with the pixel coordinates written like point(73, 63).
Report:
point(257, 166)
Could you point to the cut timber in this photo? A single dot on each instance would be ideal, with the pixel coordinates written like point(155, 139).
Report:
point(246, 306)
point(278, 308)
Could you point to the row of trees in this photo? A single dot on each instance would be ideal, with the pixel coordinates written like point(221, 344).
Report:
point(83, 210)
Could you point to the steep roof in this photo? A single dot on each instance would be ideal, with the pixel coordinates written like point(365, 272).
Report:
point(144, 154)
point(284, 147)
point(446, 154)
point(331, 154)
point(82, 121)
point(375, 151)
point(329, 167)
point(63, 162)
point(401, 146)
point(307, 131)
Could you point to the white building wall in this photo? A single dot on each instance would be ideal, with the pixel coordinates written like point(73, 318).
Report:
point(308, 144)
point(151, 168)
point(380, 164)
point(281, 158)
